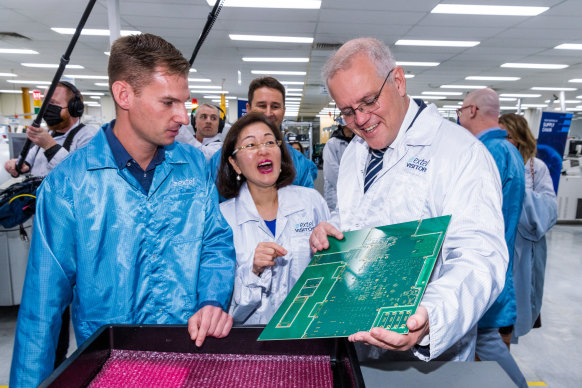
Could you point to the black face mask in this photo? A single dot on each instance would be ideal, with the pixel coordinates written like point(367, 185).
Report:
point(52, 115)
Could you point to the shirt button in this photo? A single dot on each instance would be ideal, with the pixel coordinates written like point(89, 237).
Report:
point(128, 164)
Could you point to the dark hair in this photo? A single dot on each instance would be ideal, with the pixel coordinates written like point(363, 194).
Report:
point(292, 143)
point(134, 59)
point(265, 82)
point(226, 183)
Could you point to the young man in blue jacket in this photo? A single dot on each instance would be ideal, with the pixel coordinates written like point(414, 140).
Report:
point(128, 229)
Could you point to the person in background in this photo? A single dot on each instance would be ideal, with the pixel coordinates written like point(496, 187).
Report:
point(267, 95)
point(332, 155)
point(128, 229)
point(539, 214)
point(479, 114)
point(207, 137)
point(264, 211)
point(408, 163)
point(66, 133)
point(297, 146)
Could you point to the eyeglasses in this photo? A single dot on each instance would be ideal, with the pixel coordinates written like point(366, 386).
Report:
point(460, 110)
point(349, 114)
point(255, 147)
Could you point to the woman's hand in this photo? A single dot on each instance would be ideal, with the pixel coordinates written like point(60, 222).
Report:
point(265, 255)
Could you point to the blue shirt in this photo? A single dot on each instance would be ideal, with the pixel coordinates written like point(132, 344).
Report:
point(124, 160)
point(272, 225)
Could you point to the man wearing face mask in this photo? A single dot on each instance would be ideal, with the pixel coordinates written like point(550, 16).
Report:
point(66, 133)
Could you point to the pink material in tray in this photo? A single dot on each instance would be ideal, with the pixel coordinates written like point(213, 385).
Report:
point(126, 368)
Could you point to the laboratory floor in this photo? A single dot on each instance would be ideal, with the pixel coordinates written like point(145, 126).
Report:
point(549, 356)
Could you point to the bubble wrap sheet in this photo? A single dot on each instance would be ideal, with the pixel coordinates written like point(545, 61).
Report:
point(127, 369)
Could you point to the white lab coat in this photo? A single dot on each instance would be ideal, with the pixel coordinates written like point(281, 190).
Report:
point(540, 211)
point(332, 155)
point(209, 145)
point(255, 298)
point(436, 168)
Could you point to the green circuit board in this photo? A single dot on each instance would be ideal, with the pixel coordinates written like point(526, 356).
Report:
point(372, 278)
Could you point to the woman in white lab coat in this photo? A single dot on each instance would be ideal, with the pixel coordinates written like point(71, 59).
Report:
point(270, 218)
point(537, 217)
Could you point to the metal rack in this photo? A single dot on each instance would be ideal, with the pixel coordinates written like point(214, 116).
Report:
point(301, 132)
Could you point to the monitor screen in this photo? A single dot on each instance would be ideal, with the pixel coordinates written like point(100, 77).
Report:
point(15, 143)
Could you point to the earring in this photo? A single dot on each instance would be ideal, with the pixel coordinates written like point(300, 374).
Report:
point(238, 177)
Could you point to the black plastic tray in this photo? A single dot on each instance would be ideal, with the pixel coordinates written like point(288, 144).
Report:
point(83, 365)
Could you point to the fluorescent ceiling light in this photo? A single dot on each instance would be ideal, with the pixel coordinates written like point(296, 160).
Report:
point(15, 81)
point(8, 75)
point(278, 72)
point(429, 97)
point(292, 99)
point(408, 75)
point(569, 46)
point(12, 91)
point(294, 90)
point(507, 99)
point(547, 66)
point(332, 103)
point(554, 89)
point(95, 97)
point(565, 101)
point(294, 94)
point(206, 91)
point(444, 93)
point(292, 82)
point(270, 38)
point(578, 80)
point(399, 63)
point(486, 78)
point(519, 95)
point(463, 86)
point(534, 105)
point(205, 87)
point(50, 65)
point(508, 107)
point(92, 93)
point(101, 84)
point(17, 51)
point(580, 96)
point(92, 31)
point(451, 106)
point(108, 53)
point(257, 59)
point(439, 43)
point(217, 96)
point(501, 10)
point(80, 76)
point(302, 4)
point(193, 70)
point(198, 79)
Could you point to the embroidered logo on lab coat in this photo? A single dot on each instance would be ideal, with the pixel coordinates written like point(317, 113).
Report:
point(304, 227)
point(417, 164)
point(185, 182)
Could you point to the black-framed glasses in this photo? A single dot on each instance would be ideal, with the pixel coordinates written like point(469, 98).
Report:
point(255, 147)
point(460, 110)
point(349, 114)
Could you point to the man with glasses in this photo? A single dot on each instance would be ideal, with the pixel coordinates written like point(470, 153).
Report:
point(479, 114)
point(408, 163)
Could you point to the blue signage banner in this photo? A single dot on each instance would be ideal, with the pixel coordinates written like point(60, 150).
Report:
point(242, 108)
point(554, 128)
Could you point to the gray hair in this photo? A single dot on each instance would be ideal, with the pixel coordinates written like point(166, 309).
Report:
point(487, 100)
point(209, 106)
point(378, 53)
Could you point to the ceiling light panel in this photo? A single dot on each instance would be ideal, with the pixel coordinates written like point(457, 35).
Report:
point(520, 95)
point(443, 93)
point(553, 89)
point(429, 64)
point(92, 31)
point(546, 66)
point(499, 10)
point(17, 51)
point(284, 60)
point(270, 38)
point(488, 78)
point(463, 86)
point(296, 4)
point(50, 65)
point(438, 43)
point(569, 46)
point(276, 72)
